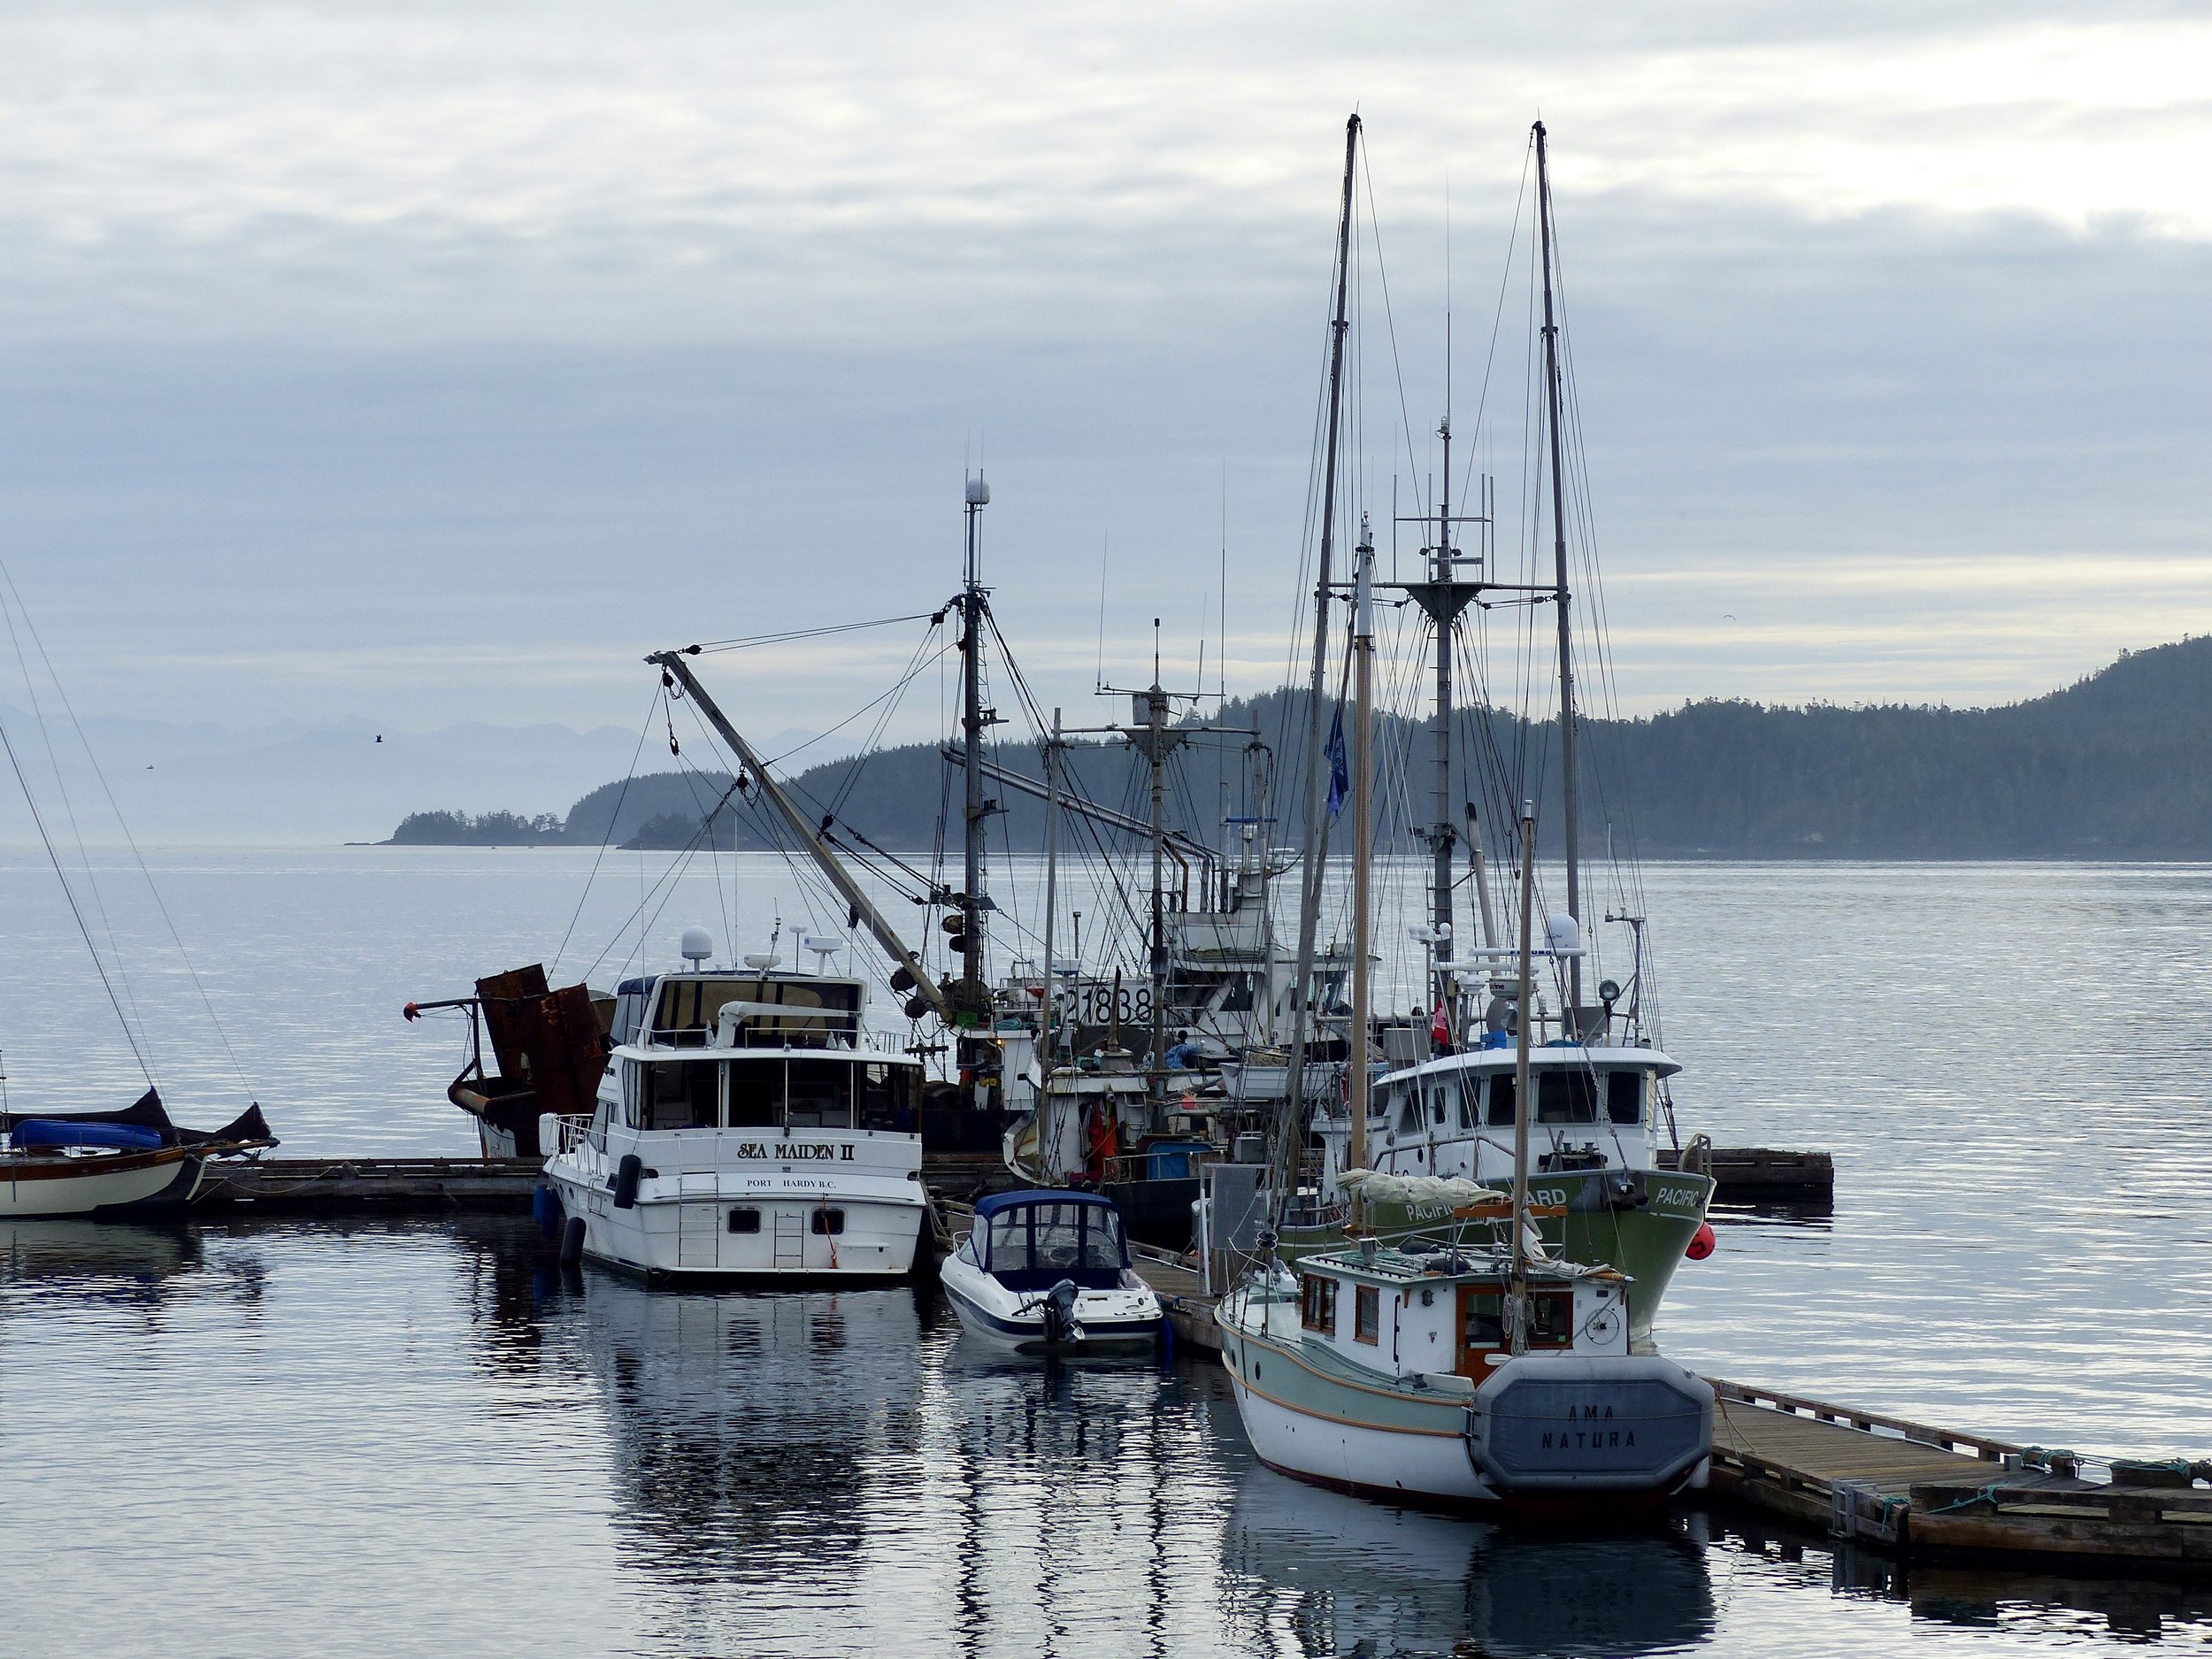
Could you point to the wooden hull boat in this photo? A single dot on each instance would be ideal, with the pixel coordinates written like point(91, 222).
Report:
point(114, 1164)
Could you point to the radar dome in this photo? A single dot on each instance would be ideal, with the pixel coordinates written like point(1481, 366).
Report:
point(979, 492)
point(1564, 934)
point(698, 944)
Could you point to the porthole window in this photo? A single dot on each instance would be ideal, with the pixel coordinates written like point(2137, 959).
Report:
point(744, 1221)
point(829, 1221)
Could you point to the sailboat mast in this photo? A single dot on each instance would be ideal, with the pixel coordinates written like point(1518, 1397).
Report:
point(1317, 836)
point(1155, 751)
point(1522, 1105)
point(1052, 896)
point(1363, 835)
point(971, 724)
point(1571, 1025)
point(1442, 831)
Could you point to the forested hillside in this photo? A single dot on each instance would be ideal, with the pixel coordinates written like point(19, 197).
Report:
point(2118, 764)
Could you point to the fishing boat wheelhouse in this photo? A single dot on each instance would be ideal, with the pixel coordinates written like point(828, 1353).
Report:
point(746, 1126)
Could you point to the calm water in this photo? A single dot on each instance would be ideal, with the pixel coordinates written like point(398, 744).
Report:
point(386, 1439)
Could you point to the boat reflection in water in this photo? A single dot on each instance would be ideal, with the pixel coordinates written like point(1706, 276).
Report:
point(1372, 1579)
point(752, 1431)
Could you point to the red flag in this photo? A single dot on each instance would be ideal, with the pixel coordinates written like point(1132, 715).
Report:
point(1441, 1028)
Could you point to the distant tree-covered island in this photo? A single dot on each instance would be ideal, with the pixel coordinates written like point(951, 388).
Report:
point(2118, 764)
point(486, 829)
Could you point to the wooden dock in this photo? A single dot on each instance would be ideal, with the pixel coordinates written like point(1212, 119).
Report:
point(1925, 1491)
point(343, 1183)
point(337, 1184)
point(1761, 1175)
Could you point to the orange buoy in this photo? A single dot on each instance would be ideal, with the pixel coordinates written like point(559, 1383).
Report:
point(1701, 1243)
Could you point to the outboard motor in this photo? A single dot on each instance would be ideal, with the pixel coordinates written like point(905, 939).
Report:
point(1060, 1325)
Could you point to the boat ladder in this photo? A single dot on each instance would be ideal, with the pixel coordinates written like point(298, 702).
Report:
point(790, 1237)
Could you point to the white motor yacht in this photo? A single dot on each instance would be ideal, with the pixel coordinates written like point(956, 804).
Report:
point(1049, 1272)
point(746, 1127)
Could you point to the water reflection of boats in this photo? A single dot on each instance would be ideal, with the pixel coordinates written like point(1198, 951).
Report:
point(751, 1429)
point(1408, 1580)
point(75, 1249)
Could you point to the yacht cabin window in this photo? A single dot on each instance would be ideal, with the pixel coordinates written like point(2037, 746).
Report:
point(1367, 1315)
point(1470, 1095)
point(1409, 1112)
point(1567, 1097)
point(1482, 1318)
point(1502, 1087)
point(819, 1094)
point(757, 1093)
point(1625, 1096)
point(685, 1097)
point(1317, 1310)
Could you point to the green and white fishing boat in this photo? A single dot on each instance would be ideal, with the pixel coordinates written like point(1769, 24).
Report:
point(1443, 1093)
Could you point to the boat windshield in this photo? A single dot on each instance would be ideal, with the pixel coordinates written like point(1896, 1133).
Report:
point(775, 1091)
point(1036, 1246)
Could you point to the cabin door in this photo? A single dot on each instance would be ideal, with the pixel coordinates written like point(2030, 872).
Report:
point(697, 1233)
point(1481, 1331)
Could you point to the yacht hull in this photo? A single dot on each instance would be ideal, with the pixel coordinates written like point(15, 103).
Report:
point(993, 1319)
point(690, 1239)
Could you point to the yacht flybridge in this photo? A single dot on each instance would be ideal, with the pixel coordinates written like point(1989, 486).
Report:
point(747, 1126)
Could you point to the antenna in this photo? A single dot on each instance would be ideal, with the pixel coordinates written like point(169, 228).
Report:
point(1222, 670)
point(1105, 544)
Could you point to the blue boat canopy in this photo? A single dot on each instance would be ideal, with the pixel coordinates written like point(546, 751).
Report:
point(992, 1204)
point(1031, 1241)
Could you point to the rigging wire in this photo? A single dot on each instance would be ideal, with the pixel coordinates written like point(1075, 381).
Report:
point(98, 771)
point(613, 819)
point(69, 811)
point(790, 634)
point(39, 819)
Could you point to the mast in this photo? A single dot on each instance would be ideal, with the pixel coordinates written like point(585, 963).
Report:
point(1362, 836)
point(1518, 1309)
point(802, 827)
point(973, 720)
point(1571, 1025)
point(1445, 611)
point(1052, 896)
point(1155, 749)
point(1317, 837)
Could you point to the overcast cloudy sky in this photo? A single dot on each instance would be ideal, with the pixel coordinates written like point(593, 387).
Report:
point(428, 362)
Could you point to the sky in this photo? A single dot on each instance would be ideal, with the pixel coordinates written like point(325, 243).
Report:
point(416, 364)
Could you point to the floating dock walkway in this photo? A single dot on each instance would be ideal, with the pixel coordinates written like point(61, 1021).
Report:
point(331, 1186)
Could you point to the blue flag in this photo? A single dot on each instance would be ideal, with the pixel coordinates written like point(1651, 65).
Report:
point(1340, 772)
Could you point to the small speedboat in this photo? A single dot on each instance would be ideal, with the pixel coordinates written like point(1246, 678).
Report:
point(1049, 1271)
point(116, 1162)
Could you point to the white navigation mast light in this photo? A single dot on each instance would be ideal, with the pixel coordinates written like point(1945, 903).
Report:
point(979, 492)
point(698, 945)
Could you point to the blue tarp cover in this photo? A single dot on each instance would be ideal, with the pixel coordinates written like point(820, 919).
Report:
point(59, 1132)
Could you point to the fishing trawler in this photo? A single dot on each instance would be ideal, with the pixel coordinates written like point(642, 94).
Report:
point(747, 1126)
point(1445, 1087)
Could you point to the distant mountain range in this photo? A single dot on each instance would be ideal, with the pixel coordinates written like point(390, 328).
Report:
point(2118, 764)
